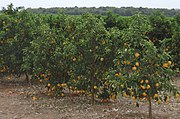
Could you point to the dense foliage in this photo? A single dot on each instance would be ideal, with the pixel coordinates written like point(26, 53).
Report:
point(124, 11)
point(102, 56)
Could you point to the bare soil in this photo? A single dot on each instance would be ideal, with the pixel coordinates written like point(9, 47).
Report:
point(16, 103)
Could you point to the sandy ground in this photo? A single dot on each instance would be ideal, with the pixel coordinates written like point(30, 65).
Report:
point(16, 103)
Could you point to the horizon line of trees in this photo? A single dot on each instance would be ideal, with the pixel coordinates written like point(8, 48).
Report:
point(123, 11)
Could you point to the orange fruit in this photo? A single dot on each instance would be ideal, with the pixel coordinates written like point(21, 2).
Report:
point(9, 78)
point(113, 97)
point(64, 85)
point(165, 65)
point(42, 75)
point(148, 86)
point(137, 64)
point(155, 95)
point(102, 59)
point(95, 87)
point(34, 98)
point(133, 98)
point(62, 94)
point(132, 93)
point(49, 85)
point(157, 84)
point(143, 87)
point(118, 74)
point(79, 77)
point(136, 54)
point(74, 59)
point(134, 68)
point(58, 85)
point(142, 81)
point(78, 91)
point(177, 95)
point(169, 63)
point(124, 94)
point(159, 101)
point(146, 81)
point(47, 78)
point(144, 94)
point(128, 62)
point(53, 88)
point(167, 99)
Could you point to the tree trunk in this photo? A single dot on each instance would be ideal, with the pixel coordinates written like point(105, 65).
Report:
point(150, 107)
point(92, 90)
point(27, 79)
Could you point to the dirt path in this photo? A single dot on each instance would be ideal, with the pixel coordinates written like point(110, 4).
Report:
point(16, 103)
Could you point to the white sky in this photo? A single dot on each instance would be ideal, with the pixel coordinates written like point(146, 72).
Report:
point(93, 3)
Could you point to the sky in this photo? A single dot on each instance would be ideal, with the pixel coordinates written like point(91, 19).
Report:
point(169, 4)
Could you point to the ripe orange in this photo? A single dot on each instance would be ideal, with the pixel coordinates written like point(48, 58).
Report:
point(177, 95)
point(58, 85)
point(167, 99)
point(95, 87)
point(102, 59)
point(8, 78)
point(113, 97)
point(155, 95)
point(132, 93)
point(136, 54)
point(49, 85)
point(128, 62)
point(42, 75)
point(142, 81)
point(134, 68)
point(169, 63)
point(63, 84)
point(74, 59)
point(47, 78)
point(159, 101)
point(124, 94)
point(165, 65)
point(118, 74)
point(137, 64)
point(79, 77)
point(146, 81)
point(124, 62)
point(144, 94)
point(143, 87)
point(34, 98)
point(133, 98)
point(53, 88)
point(148, 86)
point(157, 84)
point(62, 94)
point(78, 91)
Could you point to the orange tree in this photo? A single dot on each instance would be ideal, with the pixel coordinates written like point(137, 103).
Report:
point(161, 27)
point(94, 46)
point(141, 71)
point(171, 45)
point(16, 34)
point(51, 53)
point(6, 37)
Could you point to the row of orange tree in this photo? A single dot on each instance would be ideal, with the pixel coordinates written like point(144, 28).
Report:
point(101, 56)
